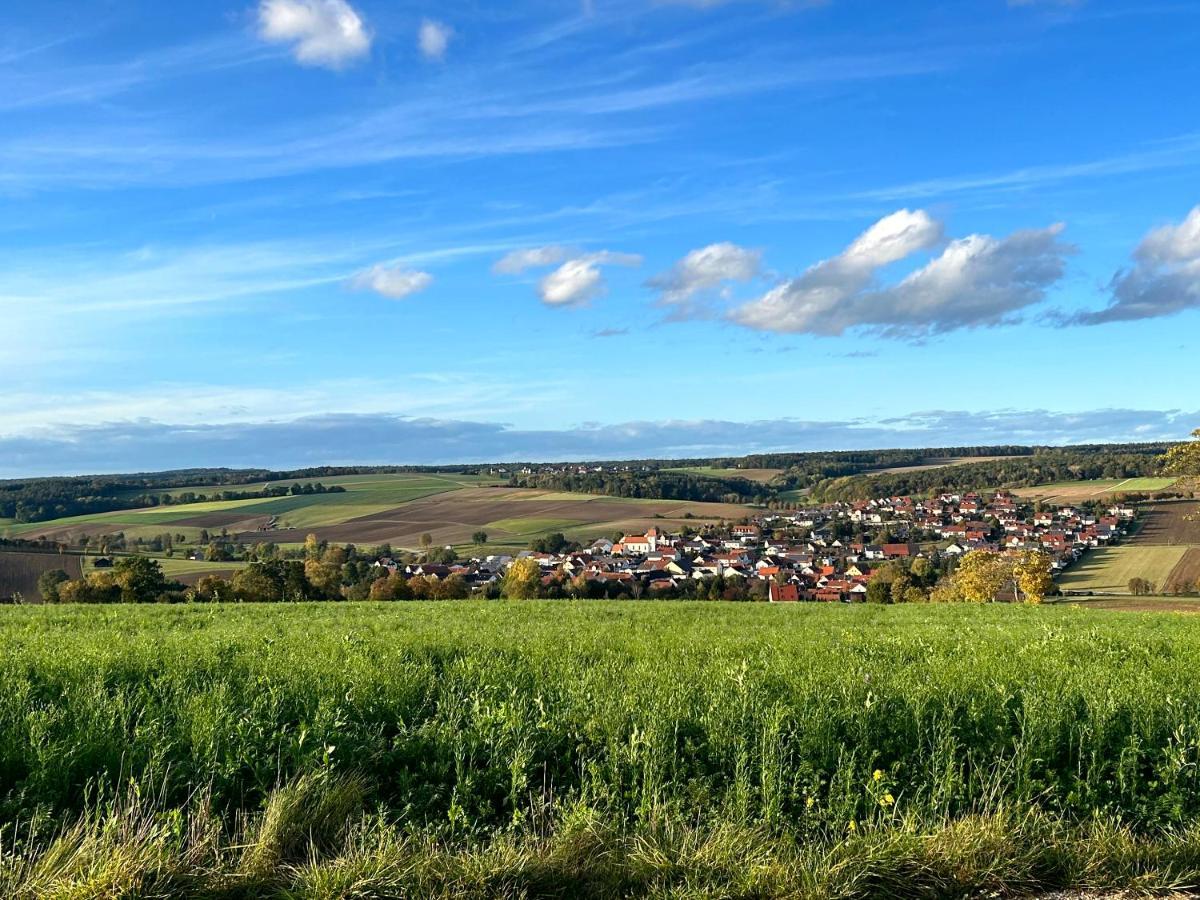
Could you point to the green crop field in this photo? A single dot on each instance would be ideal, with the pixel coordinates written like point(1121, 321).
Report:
point(1141, 485)
point(556, 749)
point(182, 568)
point(1109, 569)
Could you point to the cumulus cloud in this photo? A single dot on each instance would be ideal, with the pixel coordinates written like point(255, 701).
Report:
point(327, 33)
point(578, 281)
point(1164, 279)
point(365, 439)
point(578, 278)
point(395, 282)
point(433, 38)
point(704, 270)
point(976, 281)
point(573, 283)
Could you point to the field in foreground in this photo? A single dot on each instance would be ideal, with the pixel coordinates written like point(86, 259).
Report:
point(595, 749)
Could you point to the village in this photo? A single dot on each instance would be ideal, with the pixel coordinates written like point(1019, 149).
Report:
point(826, 553)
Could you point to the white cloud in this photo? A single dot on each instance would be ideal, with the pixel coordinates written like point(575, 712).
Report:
point(977, 281)
point(518, 261)
point(577, 279)
point(326, 33)
point(705, 269)
point(433, 38)
point(573, 283)
point(1172, 243)
point(395, 282)
point(147, 444)
point(1164, 279)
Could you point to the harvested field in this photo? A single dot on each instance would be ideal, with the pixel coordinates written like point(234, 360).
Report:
point(19, 571)
point(940, 462)
point(1078, 491)
point(1170, 523)
point(1109, 570)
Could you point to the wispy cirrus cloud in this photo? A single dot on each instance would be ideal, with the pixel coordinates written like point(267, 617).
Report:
point(329, 33)
point(1182, 151)
point(520, 107)
point(519, 261)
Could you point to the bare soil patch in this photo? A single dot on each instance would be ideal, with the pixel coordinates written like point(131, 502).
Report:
point(1186, 574)
point(1168, 523)
point(19, 571)
point(229, 519)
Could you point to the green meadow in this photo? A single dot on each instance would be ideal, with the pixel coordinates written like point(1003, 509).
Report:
point(595, 750)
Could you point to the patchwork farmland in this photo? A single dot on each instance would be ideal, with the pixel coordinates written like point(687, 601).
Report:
point(394, 508)
point(1165, 551)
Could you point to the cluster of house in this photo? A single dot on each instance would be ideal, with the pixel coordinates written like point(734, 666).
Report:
point(800, 555)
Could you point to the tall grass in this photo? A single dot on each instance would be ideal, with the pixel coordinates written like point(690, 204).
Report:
point(594, 749)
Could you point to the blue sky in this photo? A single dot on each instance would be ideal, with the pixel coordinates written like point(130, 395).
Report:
point(307, 231)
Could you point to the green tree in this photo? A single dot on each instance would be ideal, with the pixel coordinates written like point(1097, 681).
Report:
point(48, 584)
point(140, 579)
point(480, 537)
point(879, 590)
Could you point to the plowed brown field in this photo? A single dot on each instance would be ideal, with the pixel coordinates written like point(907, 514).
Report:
point(1171, 523)
point(1186, 574)
point(19, 571)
